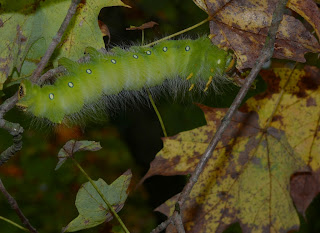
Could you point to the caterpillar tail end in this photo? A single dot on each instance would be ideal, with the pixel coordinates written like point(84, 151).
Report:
point(208, 84)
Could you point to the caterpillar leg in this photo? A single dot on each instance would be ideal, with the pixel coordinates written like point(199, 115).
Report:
point(190, 76)
point(191, 87)
point(208, 83)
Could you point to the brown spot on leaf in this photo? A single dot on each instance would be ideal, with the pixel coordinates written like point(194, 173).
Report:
point(1, 23)
point(311, 102)
point(311, 81)
point(101, 207)
point(277, 118)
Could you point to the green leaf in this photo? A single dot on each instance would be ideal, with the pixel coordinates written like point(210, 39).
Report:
point(74, 146)
point(92, 209)
point(28, 26)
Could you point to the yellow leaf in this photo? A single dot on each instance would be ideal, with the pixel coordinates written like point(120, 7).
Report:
point(247, 180)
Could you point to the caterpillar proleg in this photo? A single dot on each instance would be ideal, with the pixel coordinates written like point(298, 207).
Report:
point(197, 62)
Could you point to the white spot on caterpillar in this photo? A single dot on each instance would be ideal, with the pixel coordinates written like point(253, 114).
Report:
point(187, 48)
point(135, 56)
point(113, 61)
point(70, 84)
point(165, 49)
point(219, 61)
point(89, 71)
point(148, 52)
point(51, 96)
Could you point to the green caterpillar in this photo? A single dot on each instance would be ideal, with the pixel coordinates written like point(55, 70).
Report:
point(197, 62)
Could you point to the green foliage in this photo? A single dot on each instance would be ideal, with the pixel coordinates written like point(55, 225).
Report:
point(92, 209)
point(25, 33)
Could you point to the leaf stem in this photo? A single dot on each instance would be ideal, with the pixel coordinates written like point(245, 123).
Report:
point(158, 114)
point(180, 32)
point(142, 37)
point(13, 223)
point(102, 196)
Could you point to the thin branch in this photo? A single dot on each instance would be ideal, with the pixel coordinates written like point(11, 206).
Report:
point(14, 205)
point(8, 104)
point(60, 69)
point(162, 226)
point(13, 128)
point(178, 33)
point(51, 73)
point(55, 41)
point(177, 219)
point(266, 54)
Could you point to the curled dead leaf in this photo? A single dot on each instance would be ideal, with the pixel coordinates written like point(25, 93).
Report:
point(150, 24)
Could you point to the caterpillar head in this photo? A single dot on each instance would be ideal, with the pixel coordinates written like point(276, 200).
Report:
point(32, 99)
point(23, 102)
point(42, 102)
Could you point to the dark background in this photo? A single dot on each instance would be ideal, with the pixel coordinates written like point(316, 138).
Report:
point(130, 138)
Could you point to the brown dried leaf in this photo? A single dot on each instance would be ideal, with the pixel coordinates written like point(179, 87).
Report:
point(105, 30)
point(309, 10)
point(150, 24)
point(243, 26)
point(214, 6)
